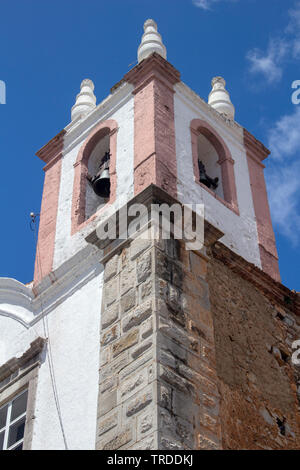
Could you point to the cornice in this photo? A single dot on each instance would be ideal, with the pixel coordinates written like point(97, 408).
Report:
point(154, 66)
point(53, 149)
point(11, 366)
point(28, 305)
point(255, 149)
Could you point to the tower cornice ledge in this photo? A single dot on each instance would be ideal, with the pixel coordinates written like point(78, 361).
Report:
point(151, 195)
point(154, 66)
point(51, 151)
point(255, 148)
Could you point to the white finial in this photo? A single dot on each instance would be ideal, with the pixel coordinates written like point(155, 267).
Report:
point(219, 98)
point(85, 100)
point(151, 42)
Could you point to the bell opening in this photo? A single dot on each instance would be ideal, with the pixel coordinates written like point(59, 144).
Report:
point(98, 187)
point(209, 169)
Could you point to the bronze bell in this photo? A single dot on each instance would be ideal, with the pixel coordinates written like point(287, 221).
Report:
point(205, 179)
point(101, 184)
point(101, 181)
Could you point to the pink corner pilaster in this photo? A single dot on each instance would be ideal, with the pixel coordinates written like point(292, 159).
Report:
point(51, 154)
point(256, 153)
point(154, 128)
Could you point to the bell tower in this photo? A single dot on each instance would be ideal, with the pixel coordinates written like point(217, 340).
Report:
point(185, 337)
point(153, 129)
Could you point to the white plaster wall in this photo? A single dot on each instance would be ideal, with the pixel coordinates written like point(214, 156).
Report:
point(240, 232)
point(74, 331)
point(120, 107)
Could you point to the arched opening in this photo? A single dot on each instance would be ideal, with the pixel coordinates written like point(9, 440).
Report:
point(86, 204)
point(94, 202)
point(208, 156)
point(213, 164)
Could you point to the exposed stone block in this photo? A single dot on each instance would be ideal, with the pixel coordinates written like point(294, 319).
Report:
point(198, 265)
point(107, 424)
point(141, 349)
point(168, 443)
point(139, 403)
point(143, 269)
point(119, 440)
point(139, 315)
point(110, 335)
point(125, 342)
point(138, 246)
point(109, 315)
point(113, 367)
point(145, 444)
point(134, 366)
point(204, 443)
point(133, 384)
point(108, 384)
point(111, 268)
point(185, 407)
point(145, 290)
point(145, 423)
point(146, 328)
point(163, 266)
point(176, 380)
point(164, 396)
point(111, 292)
point(127, 281)
point(108, 402)
point(128, 301)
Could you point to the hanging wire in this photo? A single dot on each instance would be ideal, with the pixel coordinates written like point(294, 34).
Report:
point(33, 227)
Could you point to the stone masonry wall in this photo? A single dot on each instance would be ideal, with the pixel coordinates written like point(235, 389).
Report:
point(194, 355)
point(158, 387)
point(260, 407)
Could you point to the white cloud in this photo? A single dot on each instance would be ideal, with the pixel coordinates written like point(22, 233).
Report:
point(284, 137)
point(207, 4)
point(283, 177)
point(204, 4)
point(284, 190)
point(293, 29)
point(270, 63)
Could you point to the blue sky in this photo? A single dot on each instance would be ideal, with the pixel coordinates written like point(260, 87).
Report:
point(48, 47)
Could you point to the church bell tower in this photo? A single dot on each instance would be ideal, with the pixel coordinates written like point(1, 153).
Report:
point(156, 345)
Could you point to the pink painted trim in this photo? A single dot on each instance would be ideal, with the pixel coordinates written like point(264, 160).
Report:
point(256, 153)
point(78, 220)
point(51, 154)
point(154, 126)
point(225, 160)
